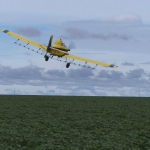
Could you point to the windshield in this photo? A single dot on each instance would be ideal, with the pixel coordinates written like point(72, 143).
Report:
point(63, 44)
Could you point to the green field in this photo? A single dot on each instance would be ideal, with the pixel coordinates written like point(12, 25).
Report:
point(74, 122)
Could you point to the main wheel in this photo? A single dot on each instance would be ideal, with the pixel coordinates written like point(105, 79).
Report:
point(46, 58)
point(68, 64)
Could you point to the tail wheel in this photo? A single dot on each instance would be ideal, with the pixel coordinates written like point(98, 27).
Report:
point(68, 64)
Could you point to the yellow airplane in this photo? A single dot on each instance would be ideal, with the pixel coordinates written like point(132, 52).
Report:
point(57, 49)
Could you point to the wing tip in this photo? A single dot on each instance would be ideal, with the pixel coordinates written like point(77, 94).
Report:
point(113, 66)
point(4, 30)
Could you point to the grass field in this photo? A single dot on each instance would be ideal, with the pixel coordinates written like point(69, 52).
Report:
point(72, 123)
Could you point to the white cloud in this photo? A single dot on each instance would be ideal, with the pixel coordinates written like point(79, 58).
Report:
point(137, 73)
point(28, 31)
point(128, 64)
point(126, 17)
point(147, 63)
point(81, 82)
point(39, 11)
point(76, 33)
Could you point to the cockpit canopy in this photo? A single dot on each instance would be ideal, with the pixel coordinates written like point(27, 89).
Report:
point(62, 44)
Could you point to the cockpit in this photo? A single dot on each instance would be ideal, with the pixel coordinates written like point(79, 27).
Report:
point(63, 44)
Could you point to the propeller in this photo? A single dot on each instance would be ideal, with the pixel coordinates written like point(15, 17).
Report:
point(71, 45)
point(50, 42)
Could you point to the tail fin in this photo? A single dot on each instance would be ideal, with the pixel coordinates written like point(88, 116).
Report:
point(50, 42)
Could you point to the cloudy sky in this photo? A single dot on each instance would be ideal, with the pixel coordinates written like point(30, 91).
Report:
point(115, 32)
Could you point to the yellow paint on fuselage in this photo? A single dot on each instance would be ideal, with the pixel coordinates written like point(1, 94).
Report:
point(60, 45)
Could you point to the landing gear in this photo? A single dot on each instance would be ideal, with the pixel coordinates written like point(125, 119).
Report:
point(68, 64)
point(46, 57)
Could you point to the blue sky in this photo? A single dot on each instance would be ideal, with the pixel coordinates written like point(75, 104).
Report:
point(108, 31)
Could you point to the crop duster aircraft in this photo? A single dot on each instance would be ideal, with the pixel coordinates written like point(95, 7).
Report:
point(57, 49)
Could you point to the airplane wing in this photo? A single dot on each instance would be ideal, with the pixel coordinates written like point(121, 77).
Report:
point(55, 51)
point(41, 46)
point(91, 61)
point(25, 39)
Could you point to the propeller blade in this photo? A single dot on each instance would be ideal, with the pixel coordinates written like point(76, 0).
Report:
point(50, 42)
point(71, 45)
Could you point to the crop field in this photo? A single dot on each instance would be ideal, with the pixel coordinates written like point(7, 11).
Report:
point(74, 123)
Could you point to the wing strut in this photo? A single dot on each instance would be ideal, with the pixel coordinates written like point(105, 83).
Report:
point(85, 64)
point(72, 61)
point(95, 67)
point(38, 50)
point(16, 41)
point(66, 59)
point(26, 45)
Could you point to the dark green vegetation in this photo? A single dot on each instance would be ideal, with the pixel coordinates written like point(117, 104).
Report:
point(72, 123)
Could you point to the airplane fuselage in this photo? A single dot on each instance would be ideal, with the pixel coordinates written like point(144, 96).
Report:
point(60, 45)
